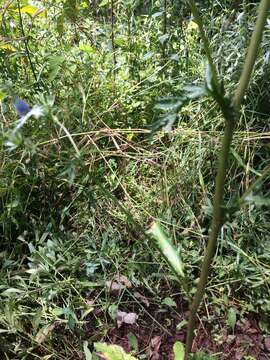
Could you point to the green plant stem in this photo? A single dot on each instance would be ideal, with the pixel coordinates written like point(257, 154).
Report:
point(206, 45)
point(214, 231)
point(112, 38)
point(26, 42)
point(231, 115)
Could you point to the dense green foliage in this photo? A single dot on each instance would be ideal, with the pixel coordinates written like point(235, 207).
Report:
point(78, 177)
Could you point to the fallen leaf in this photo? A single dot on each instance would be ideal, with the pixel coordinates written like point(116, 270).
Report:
point(126, 318)
point(267, 343)
point(118, 284)
point(142, 298)
point(154, 347)
point(124, 280)
point(114, 286)
point(43, 333)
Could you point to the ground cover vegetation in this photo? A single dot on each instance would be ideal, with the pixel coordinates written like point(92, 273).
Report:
point(112, 154)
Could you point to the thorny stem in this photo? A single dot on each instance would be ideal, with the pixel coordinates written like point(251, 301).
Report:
point(231, 115)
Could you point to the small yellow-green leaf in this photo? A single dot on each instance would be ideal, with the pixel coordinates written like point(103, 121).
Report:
point(104, 3)
point(178, 351)
point(31, 10)
point(3, 95)
point(113, 352)
point(87, 48)
point(8, 47)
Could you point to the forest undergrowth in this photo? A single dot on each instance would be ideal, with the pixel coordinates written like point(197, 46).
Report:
point(75, 182)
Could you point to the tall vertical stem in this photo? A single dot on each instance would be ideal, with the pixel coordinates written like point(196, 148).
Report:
point(231, 115)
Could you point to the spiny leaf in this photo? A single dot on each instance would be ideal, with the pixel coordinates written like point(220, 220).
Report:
point(170, 103)
point(164, 121)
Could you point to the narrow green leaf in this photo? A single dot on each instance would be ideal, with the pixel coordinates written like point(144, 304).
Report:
point(231, 320)
point(87, 353)
point(165, 121)
point(167, 249)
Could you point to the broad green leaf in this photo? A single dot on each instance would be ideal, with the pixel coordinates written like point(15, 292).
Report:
point(113, 352)
point(169, 302)
point(55, 64)
point(58, 311)
point(87, 48)
point(178, 351)
point(32, 10)
point(167, 249)
point(28, 9)
point(193, 92)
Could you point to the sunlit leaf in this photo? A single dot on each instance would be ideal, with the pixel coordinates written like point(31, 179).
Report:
point(178, 351)
point(167, 249)
point(113, 352)
point(7, 47)
point(104, 3)
point(31, 10)
point(192, 26)
point(3, 95)
point(87, 48)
